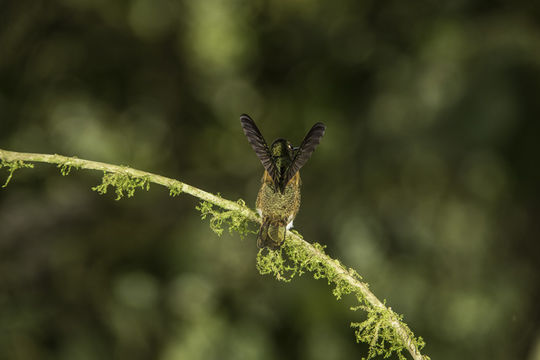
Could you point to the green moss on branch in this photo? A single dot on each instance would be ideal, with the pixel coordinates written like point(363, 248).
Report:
point(123, 183)
point(12, 166)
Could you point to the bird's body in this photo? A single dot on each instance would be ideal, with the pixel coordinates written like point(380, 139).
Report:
point(278, 200)
point(277, 210)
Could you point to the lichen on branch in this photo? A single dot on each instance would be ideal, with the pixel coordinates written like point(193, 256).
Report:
point(12, 166)
point(221, 218)
point(123, 183)
point(382, 328)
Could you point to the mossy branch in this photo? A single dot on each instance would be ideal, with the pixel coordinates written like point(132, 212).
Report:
point(383, 330)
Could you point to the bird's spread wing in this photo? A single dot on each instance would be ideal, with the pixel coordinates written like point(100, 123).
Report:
point(258, 144)
point(302, 155)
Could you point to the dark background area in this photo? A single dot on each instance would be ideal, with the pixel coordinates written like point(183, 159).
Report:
point(426, 181)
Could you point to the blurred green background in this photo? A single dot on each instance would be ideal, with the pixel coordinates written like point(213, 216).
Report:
point(426, 181)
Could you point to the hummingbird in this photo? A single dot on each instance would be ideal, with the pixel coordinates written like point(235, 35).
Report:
point(278, 200)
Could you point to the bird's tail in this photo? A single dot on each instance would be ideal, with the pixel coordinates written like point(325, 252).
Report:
point(271, 234)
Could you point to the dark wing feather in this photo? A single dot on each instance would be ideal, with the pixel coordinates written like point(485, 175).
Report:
point(258, 144)
point(310, 142)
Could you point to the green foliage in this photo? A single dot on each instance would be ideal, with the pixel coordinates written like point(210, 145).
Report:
point(231, 218)
point(12, 166)
point(66, 166)
point(297, 261)
point(175, 188)
point(123, 183)
point(381, 336)
point(289, 261)
point(273, 262)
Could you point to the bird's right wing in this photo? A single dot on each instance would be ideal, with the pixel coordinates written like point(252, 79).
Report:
point(259, 145)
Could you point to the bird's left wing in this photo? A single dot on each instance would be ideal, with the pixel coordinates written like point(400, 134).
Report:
point(258, 144)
